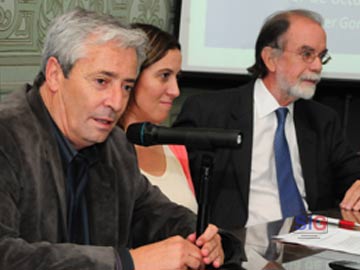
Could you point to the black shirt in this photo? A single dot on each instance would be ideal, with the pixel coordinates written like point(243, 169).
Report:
point(76, 166)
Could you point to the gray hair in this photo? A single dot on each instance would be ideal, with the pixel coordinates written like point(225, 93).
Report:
point(271, 34)
point(68, 35)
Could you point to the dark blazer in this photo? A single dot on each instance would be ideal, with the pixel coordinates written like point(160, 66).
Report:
point(329, 165)
point(125, 210)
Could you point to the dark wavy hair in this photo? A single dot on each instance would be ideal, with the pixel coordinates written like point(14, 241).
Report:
point(274, 28)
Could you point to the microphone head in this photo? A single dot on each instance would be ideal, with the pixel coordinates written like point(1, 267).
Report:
point(141, 133)
point(135, 133)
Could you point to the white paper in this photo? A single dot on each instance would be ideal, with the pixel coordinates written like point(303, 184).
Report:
point(333, 239)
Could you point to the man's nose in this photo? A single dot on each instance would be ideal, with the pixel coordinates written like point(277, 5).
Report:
point(115, 98)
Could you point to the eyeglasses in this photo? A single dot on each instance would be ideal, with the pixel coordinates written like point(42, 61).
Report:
point(309, 56)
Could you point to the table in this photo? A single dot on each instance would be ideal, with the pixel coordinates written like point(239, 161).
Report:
point(263, 252)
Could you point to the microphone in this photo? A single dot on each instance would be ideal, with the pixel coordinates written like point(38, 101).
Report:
point(147, 134)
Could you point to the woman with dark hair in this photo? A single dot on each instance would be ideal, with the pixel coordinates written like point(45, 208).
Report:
point(166, 166)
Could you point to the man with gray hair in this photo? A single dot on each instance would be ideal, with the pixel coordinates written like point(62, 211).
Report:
point(294, 156)
point(72, 196)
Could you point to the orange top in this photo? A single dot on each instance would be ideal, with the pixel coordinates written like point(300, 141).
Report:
point(181, 154)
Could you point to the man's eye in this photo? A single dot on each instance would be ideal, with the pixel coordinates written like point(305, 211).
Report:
point(128, 88)
point(100, 81)
point(307, 54)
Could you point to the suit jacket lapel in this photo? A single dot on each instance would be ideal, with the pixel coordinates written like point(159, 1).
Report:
point(242, 118)
point(306, 138)
point(57, 175)
point(50, 151)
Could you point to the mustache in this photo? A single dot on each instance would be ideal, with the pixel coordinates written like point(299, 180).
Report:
point(311, 77)
point(106, 113)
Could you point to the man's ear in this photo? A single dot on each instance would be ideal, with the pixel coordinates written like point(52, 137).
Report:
point(269, 58)
point(53, 74)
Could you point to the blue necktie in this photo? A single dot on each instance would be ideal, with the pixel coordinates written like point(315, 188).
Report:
point(290, 198)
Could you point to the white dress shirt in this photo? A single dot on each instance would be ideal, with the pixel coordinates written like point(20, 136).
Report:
point(264, 203)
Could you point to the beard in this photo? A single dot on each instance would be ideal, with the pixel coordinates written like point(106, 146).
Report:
point(298, 90)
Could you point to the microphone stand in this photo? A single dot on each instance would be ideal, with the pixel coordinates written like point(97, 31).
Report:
point(206, 166)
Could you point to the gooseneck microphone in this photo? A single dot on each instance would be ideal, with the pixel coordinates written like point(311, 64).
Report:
point(147, 134)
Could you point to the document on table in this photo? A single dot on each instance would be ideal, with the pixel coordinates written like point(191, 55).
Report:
point(333, 239)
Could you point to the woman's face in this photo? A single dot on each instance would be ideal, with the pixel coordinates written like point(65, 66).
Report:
point(156, 89)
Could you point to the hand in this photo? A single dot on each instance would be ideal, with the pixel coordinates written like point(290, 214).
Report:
point(351, 199)
point(350, 215)
point(210, 244)
point(172, 253)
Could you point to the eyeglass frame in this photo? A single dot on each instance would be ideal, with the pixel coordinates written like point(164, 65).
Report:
point(324, 56)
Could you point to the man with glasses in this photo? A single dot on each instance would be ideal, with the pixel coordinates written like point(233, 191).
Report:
point(294, 157)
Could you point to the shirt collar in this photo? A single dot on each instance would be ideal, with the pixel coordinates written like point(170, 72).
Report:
point(264, 101)
point(67, 151)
